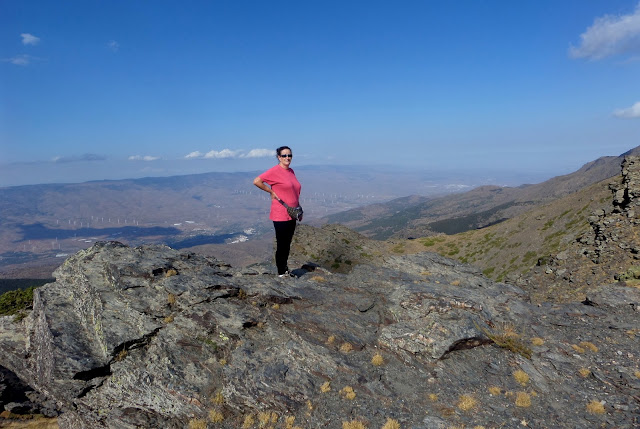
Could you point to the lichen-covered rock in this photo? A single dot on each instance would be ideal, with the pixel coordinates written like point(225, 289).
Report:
point(152, 337)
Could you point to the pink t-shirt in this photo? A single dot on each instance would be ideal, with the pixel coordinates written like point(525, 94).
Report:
point(284, 183)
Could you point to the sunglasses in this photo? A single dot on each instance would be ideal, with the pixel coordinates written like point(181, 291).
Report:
point(288, 155)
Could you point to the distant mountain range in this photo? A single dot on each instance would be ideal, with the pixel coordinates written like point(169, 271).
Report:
point(416, 216)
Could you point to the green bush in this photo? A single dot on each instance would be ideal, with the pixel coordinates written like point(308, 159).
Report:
point(15, 302)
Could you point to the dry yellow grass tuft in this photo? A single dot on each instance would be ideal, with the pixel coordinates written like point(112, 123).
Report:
point(170, 273)
point(326, 387)
point(377, 359)
point(433, 397)
point(348, 393)
point(425, 273)
point(276, 306)
point(577, 348)
point(353, 424)
point(584, 372)
point(319, 279)
point(523, 400)
point(467, 402)
point(455, 283)
point(589, 345)
point(595, 407)
point(266, 417)
point(218, 399)
point(495, 391)
point(637, 374)
point(289, 421)
point(121, 356)
point(171, 299)
point(331, 339)
point(197, 424)
point(506, 336)
point(346, 348)
point(391, 424)
point(222, 362)
point(537, 341)
point(521, 377)
point(248, 422)
point(37, 423)
point(216, 416)
point(168, 319)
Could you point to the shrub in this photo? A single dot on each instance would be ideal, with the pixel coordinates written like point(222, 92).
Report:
point(16, 302)
point(507, 338)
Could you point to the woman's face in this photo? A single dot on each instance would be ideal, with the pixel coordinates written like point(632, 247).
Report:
point(285, 158)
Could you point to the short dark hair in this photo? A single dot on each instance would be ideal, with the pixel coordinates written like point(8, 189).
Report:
point(281, 148)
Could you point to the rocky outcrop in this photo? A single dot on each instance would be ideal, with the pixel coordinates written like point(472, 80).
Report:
point(152, 337)
point(614, 229)
point(609, 251)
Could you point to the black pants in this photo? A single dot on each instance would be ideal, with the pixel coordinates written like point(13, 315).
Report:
point(284, 235)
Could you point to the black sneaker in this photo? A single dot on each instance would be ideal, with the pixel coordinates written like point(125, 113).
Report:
point(286, 274)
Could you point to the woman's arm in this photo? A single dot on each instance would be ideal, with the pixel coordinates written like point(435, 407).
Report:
point(260, 184)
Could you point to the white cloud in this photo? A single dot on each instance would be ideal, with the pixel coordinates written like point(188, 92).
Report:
point(260, 153)
point(29, 39)
point(629, 113)
point(224, 153)
point(228, 153)
point(20, 60)
point(113, 45)
point(194, 155)
point(610, 35)
point(143, 158)
point(85, 157)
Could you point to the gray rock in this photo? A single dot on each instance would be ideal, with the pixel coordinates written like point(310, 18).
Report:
point(152, 337)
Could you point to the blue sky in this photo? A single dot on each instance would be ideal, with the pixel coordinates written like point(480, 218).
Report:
point(95, 90)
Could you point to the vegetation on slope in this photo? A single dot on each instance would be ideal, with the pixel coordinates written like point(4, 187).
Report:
point(514, 246)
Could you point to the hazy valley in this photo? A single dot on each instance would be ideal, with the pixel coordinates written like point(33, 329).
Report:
point(40, 225)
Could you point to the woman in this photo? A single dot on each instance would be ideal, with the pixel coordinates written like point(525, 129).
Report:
point(283, 185)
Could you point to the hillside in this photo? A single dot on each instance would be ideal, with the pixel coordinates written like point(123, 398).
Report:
point(511, 248)
point(559, 250)
point(478, 208)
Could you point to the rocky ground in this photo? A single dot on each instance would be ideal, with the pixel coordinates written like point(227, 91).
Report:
point(152, 337)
